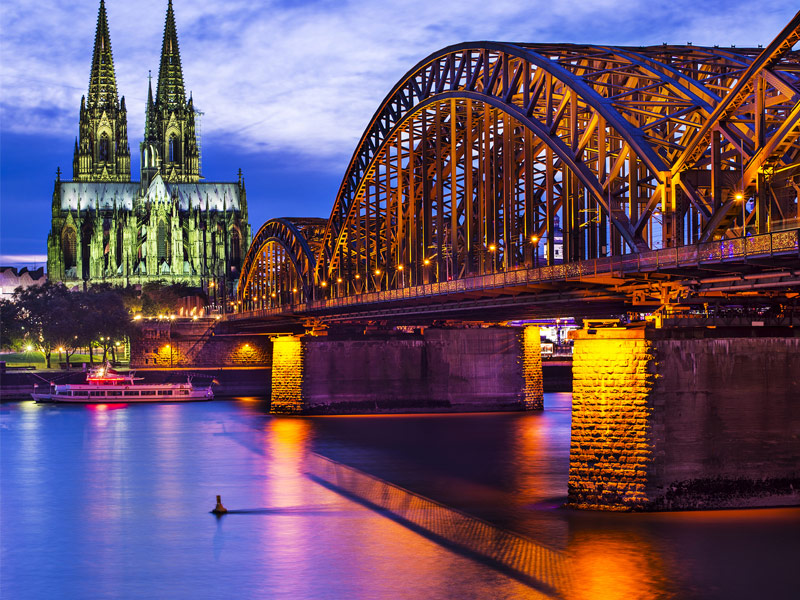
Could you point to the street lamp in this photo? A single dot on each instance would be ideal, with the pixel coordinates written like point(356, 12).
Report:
point(740, 198)
point(535, 242)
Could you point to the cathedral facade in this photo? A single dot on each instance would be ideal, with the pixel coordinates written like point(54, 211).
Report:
point(170, 226)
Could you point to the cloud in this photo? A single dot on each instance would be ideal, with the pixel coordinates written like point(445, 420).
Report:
point(305, 78)
point(23, 259)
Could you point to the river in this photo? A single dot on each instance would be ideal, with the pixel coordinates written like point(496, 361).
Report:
point(113, 501)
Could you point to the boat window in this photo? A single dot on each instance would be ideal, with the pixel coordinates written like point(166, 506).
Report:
point(136, 393)
point(115, 393)
point(148, 392)
point(95, 393)
point(165, 393)
point(183, 392)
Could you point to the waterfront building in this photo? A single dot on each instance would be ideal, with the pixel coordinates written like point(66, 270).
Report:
point(170, 226)
point(11, 279)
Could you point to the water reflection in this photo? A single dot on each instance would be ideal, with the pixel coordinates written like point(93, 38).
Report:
point(542, 567)
point(615, 566)
point(447, 506)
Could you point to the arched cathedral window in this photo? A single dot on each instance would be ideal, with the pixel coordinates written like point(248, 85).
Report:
point(103, 152)
point(236, 249)
point(163, 242)
point(120, 246)
point(174, 149)
point(69, 245)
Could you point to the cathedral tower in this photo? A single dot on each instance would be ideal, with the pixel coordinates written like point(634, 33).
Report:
point(170, 227)
point(170, 143)
point(102, 152)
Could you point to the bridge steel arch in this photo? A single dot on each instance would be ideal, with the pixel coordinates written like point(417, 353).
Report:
point(492, 156)
point(279, 265)
point(528, 135)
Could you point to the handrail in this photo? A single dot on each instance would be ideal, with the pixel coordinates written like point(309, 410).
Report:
point(726, 250)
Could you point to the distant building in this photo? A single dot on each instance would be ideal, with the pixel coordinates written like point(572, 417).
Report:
point(170, 226)
point(558, 243)
point(11, 279)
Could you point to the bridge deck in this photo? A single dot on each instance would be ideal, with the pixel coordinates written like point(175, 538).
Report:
point(766, 263)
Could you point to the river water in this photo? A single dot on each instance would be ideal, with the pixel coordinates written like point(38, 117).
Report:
point(113, 502)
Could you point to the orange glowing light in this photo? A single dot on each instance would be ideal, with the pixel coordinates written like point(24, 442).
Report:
point(377, 271)
point(492, 248)
point(324, 284)
point(399, 267)
point(358, 276)
point(338, 280)
point(739, 197)
point(426, 262)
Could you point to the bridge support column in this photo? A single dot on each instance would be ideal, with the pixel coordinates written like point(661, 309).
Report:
point(675, 419)
point(440, 370)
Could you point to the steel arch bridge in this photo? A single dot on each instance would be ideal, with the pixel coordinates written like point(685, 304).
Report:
point(490, 157)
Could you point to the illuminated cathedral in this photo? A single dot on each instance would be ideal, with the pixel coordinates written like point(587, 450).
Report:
point(170, 226)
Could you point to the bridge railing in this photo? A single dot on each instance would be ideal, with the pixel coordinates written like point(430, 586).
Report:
point(718, 252)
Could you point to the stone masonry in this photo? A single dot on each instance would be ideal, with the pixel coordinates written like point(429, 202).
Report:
point(196, 343)
point(442, 370)
point(685, 419)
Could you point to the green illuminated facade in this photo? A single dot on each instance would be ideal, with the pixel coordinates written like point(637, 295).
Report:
point(170, 226)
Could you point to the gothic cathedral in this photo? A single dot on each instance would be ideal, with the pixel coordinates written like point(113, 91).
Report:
point(170, 226)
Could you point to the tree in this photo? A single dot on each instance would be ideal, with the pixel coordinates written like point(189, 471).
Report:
point(11, 332)
point(160, 299)
point(51, 316)
point(107, 318)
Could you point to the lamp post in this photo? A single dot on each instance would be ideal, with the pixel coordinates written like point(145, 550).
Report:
point(740, 198)
point(535, 242)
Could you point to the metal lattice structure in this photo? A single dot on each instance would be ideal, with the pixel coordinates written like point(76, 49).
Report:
point(279, 266)
point(490, 157)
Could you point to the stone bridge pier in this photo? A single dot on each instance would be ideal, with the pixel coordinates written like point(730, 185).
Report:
point(430, 370)
point(673, 419)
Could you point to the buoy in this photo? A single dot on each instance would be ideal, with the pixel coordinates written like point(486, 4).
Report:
point(219, 509)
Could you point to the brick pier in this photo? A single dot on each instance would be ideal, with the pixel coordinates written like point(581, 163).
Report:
point(440, 370)
point(685, 418)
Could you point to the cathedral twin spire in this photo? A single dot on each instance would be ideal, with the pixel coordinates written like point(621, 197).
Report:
point(170, 91)
point(170, 143)
point(102, 80)
point(102, 152)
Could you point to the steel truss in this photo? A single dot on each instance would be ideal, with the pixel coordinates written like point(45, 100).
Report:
point(279, 266)
point(489, 157)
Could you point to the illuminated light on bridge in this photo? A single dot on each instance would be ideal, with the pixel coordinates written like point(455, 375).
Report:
point(611, 396)
point(485, 151)
point(287, 374)
point(532, 368)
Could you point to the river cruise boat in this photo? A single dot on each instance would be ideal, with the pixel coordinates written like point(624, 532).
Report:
point(104, 385)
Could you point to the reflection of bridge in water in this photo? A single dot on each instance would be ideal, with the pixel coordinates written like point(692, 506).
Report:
point(510, 179)
point(544, 568)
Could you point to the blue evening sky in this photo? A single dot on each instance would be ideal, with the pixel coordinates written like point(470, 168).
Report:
point(286, 87)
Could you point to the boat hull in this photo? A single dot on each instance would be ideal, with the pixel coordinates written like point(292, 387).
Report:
point(104, 385)
point(200, 396)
